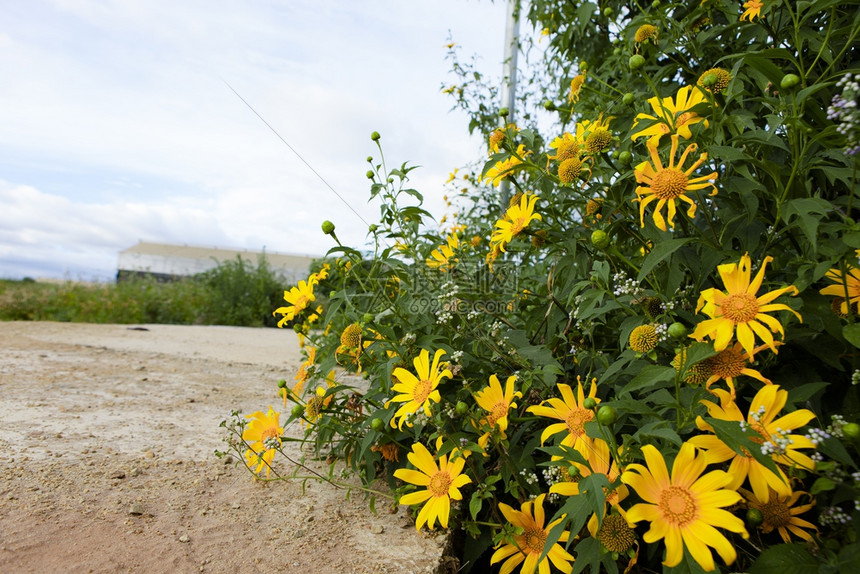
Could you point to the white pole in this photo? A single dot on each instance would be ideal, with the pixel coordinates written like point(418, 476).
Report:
point(509, 79)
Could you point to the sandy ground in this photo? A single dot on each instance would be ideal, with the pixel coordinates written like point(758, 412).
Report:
point(107, 436)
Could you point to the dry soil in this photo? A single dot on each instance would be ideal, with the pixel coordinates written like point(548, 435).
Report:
point(107, 440)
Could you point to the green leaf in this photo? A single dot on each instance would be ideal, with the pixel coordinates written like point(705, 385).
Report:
point(739, 441)
point(660, 252)
point(785, 559)
point(851, 332)
point(592, 486)
point(849, 558)
point(650, 376)
point(834, 448)
point(822, 484)
point(803, 393)
point(658, 429)
point(475, 504)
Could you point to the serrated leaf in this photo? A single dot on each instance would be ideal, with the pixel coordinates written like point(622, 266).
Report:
point(660, 252)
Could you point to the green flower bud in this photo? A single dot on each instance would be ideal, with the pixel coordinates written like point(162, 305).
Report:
point(548, 105)
point(628, 98)
point(636, 61)
point(298, 410)
point(370, 174)
point(589, 403)
point(677, 331)
point(625, 157)
point(372, 228)
point(327, 227)
point(282, 383)
point(754, 517)
point(504, 112)
point(461, 408)
point(375, 136)
point(789, 81)
point(573, 471)
point(367, 317)
point(377, 425)
point(608, 11)
point(600, 239)
point(851, 431)
point(607, 415)
point(616, 51)
point(369, 159)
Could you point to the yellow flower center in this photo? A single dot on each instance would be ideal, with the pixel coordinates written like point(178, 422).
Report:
point(517, 225)
point(669, 183)
point(643, 339)
point(567, 150)
point(678, 505)
point(576, 419)
point(440, 482)
point(727, 364)
point(615, 534)
point(598, 140)
point(776, 513)
point(351, 336)
point(532, 542)
point(271, 432)
point(645, 32)
point(422, 390)
point(569, 170)
point(499, 410)
point(496, 138)
point(301, 303)
point(739, 307)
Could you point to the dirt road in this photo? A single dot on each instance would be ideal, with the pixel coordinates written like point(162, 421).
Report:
point(107, 436)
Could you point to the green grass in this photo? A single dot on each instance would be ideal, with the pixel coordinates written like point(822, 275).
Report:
point(235, 293)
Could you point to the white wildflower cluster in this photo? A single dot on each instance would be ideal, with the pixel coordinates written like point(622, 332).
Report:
point(855, 476)
point(662, 332)
point(473, 314)
point(855, 378)
point(833, 515)
point(777, 444)
point(625, 285)
point(448, 302)
point(271, 443)
point(417, 418)
point(552, 474)
point(835, 426)
point(496, 328)
point(463, 441)
point(843, 110)
point(816, 436)
point(408, 339)
point(529, 476)
point(668, 306)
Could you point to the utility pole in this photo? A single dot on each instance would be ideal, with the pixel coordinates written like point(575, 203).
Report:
point(509, 80)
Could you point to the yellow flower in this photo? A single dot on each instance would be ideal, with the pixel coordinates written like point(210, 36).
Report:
point(598, 140)
point(729, 364)
point(777, 513)
point(351, 337)
point(417, 392)
point(496, 402)
point(739, 308)
point(516, 219)
point(319, 401)
point(753, 10)
point(672, 115)
point(569, 170)
point(643, 339)
point(498, 136)
point(646, 32)
point(443, 256)
point(576, 87)
point(570, 411)
point(670, 183)
point(844, 284)
point(615, 534)
point(506, 167)
point(302, 375)
point(389, 451)
point(526, 548)
point(566, 146)
point(315, 278)
point(684, 509)
point(597, 456)
point(723, 78)
point(261, 432)
point(765, 406)
point(442, 482)
point(298, 297)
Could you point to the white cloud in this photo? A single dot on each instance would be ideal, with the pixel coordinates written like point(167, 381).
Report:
point(118, 126)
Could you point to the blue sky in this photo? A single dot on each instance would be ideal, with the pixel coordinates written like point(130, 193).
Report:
point(116, 125)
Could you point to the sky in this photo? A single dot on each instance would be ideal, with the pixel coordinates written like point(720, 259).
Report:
point(117, 124)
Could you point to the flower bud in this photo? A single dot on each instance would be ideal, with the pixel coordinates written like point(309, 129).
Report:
point(375, 136)
point(327, 227)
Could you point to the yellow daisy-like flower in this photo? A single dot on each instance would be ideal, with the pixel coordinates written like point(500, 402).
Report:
point(319, 401)
point(302, 375)
point(740, 310)
point(351, 336)
point(598, 140)
point(615, 534)
point(575, 87)
point(569, 170)
point(506, 167)
point(844, 285)
point(263, 429)
point(645, 32)
point(765, 407)
point(684, 508)
point(570, 411)
point(516, 218)
point(527, 547)
point(497, 138)
point(672, 115)
point(389, 451)
point(780, 514)
point(442, 483)
point(298, 297)
point(753, 10)
point(644, 338)
point(315, 278)
point(496, 402)
point(670, 183)
point(566, 146)
point(729, 364)
point(442, 258)
point(722, 79)
point(417, 392)
point(596, 453)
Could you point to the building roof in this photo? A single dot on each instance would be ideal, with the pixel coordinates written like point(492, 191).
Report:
point(274, 258)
